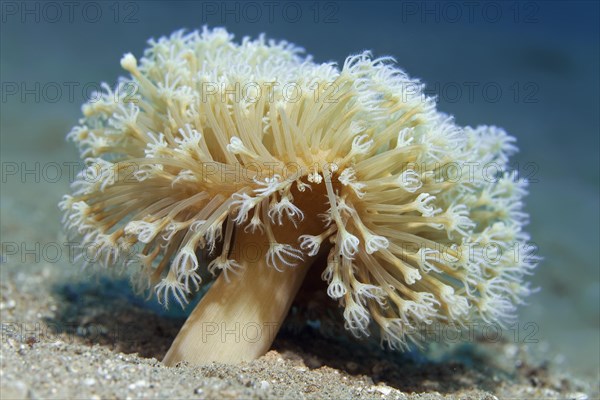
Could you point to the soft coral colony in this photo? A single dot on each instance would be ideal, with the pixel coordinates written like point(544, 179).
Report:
point(242, 183)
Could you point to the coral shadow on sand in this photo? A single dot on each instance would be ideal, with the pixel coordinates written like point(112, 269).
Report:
point(108, 313)
point(464, 368)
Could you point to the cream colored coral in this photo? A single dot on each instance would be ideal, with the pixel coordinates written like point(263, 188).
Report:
point(221, 137)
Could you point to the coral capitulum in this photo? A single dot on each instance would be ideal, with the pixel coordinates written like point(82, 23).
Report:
point(242, 164)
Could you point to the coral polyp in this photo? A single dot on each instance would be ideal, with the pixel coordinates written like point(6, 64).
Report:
point(213, 147)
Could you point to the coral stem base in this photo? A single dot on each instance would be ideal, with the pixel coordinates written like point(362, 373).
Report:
point(238, 320)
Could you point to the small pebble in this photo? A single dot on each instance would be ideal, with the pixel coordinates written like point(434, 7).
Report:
point(577, 396)
point(264, 385)
point(8, 305)
point(384, 390)
point(199, 391)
